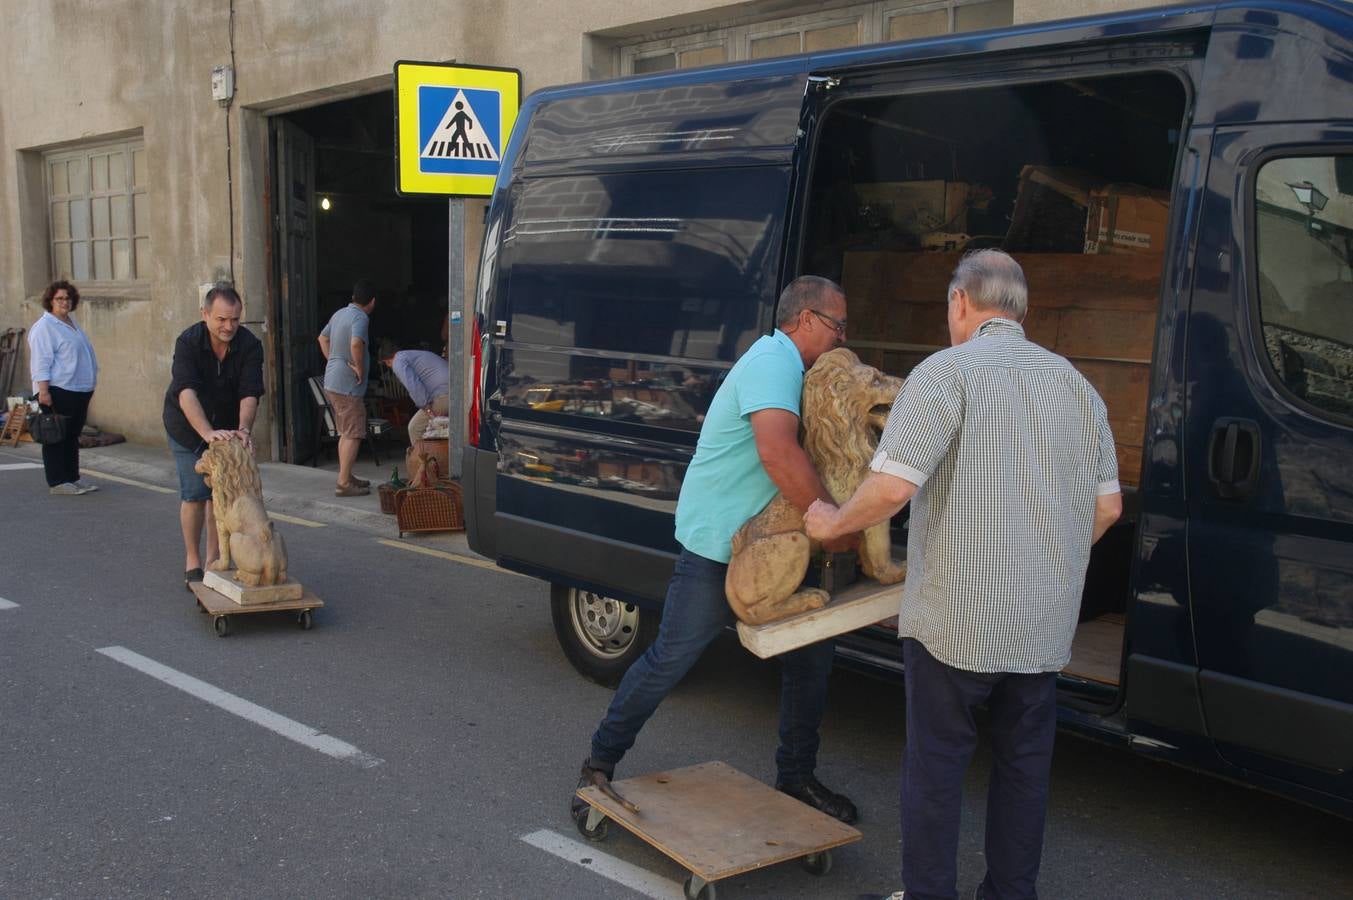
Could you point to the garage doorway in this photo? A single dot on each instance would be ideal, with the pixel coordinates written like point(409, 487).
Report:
point(339, 219)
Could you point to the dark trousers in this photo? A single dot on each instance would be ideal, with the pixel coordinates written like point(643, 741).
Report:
point(941, 737)
point(695, 613)
point(62, 461)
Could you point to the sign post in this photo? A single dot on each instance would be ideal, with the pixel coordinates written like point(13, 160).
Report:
point(452, 123)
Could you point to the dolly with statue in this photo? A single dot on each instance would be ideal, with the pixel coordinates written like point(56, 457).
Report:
point(250, 575)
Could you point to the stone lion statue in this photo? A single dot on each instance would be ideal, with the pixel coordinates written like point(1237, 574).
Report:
point(845, 405)
point(246, 535)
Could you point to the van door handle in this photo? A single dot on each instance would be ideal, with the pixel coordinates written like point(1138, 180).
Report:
point(1233, 458)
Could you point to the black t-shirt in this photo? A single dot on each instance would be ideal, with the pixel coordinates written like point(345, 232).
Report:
point(220, 384)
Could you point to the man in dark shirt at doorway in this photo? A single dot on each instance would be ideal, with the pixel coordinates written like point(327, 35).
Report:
point(213, 396)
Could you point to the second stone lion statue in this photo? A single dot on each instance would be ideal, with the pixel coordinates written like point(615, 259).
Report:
point(845, 405)
point(246, 535)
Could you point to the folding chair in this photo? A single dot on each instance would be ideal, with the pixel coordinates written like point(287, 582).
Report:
point(326, 426)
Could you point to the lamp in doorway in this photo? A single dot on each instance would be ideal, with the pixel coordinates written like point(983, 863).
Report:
point(325, 204)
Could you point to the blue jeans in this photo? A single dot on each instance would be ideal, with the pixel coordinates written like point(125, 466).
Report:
point(941, 737)
point(695, 613)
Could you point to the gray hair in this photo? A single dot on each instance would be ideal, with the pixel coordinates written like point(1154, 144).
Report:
point(803, 293)
point(225, 291)
point(993, 281)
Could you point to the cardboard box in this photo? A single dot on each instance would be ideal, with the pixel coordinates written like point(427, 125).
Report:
point(1127, 218)
point(918, 207)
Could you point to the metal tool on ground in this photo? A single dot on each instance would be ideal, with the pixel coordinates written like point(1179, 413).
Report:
point(716, 822)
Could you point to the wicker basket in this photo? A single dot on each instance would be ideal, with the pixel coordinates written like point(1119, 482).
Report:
point(430, 509)
point(388, 492)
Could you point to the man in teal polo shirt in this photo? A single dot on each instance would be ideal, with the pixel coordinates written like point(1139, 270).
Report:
point(748, 450)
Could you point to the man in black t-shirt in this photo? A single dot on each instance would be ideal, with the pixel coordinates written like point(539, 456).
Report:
point(213, 396)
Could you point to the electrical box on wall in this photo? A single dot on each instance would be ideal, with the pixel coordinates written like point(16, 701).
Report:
point(223, 84)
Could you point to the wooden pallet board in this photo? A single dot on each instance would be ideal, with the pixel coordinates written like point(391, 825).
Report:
point(1097, 650)
point(864, 603)
point(218, 604)
point(717, 822)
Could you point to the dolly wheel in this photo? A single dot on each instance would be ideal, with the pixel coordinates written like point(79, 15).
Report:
point(595, 833)
point(704, 892)
point(305, 620)
point(818, 863)
point(222, 625)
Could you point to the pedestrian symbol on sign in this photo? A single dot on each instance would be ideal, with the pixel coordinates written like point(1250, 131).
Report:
point(465, 137)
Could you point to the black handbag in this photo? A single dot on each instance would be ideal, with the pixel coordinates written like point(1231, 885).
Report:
point(48, 428)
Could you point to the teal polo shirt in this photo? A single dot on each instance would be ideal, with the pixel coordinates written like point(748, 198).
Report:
point(725, 484)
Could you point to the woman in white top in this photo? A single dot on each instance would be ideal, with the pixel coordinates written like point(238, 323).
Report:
point(64, 370)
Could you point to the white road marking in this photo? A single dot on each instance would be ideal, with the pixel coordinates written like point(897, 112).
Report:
point(133, 482)
point(454, 557)
point(6, 467)
point(266, 718)
point(295, 521)
point(617, 870)
point(8, 604)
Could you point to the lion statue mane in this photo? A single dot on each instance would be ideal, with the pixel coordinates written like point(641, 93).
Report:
point(245, 534)
point(844, 408)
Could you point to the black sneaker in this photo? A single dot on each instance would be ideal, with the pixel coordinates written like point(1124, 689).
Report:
point(587, 777)
point(819, 797)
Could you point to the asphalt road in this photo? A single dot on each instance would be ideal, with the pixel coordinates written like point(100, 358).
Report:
point(423, 740)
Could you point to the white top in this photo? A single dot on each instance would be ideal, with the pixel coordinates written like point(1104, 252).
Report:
point(61, 355)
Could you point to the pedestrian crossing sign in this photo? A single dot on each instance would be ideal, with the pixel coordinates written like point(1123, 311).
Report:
point(452, 123)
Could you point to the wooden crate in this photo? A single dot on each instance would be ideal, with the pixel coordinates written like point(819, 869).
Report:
point(1097, 311)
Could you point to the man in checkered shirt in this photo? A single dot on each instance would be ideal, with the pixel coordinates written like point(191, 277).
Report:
point(1008, 453)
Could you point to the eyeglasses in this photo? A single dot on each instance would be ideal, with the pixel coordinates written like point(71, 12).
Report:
point(839, 325)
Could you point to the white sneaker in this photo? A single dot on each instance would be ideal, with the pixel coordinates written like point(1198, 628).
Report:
point(65, 490)
point(86, 487)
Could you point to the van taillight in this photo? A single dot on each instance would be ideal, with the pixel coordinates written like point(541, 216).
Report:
point(476, 385)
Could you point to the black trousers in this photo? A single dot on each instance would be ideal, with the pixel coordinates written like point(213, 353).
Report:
point(941, 737)
point(62, 461)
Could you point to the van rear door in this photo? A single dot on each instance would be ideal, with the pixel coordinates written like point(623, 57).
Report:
point(642, 251)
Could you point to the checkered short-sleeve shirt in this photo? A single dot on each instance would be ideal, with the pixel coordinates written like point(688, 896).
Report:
point(1010, 447)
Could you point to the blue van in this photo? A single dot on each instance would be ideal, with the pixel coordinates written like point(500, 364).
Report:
point(1178, 185)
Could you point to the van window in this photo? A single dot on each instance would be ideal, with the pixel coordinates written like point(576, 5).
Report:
point(1304, 235)
point(669, 264)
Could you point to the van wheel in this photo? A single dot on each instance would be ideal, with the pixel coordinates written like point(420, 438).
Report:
point(601, 636)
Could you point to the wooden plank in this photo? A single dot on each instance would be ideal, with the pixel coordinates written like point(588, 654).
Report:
point(219, 605)
point(858, 606)
point(251, 595)
point(1097, 650)
point(717, 822)
point(1055, 279)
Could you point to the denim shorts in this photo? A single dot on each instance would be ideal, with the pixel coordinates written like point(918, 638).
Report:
point(192, 486)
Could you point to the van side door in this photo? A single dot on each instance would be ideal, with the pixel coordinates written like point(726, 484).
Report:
point(1269, 452)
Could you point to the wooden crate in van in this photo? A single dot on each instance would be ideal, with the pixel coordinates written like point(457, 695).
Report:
point(1097, 311)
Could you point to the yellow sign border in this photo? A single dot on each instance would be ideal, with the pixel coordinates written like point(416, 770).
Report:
point(409, 77)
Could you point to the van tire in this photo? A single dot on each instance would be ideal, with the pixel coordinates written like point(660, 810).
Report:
point(601, 636)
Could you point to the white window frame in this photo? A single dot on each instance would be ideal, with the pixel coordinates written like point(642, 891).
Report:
point(872, 20)
point(131, 190)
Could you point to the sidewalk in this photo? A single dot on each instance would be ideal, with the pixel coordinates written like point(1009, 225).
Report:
point(300, 491)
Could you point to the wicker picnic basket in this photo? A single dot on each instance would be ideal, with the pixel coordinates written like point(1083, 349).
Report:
point(436, 508)
point(388, 492)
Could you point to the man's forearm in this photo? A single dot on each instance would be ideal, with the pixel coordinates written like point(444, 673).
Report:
point(324, 346)
point(248, 412)
point(878, 497)
point(193, 412)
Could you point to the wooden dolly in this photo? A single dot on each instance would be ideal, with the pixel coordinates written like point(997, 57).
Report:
point(221, 607)
point(716, 822)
